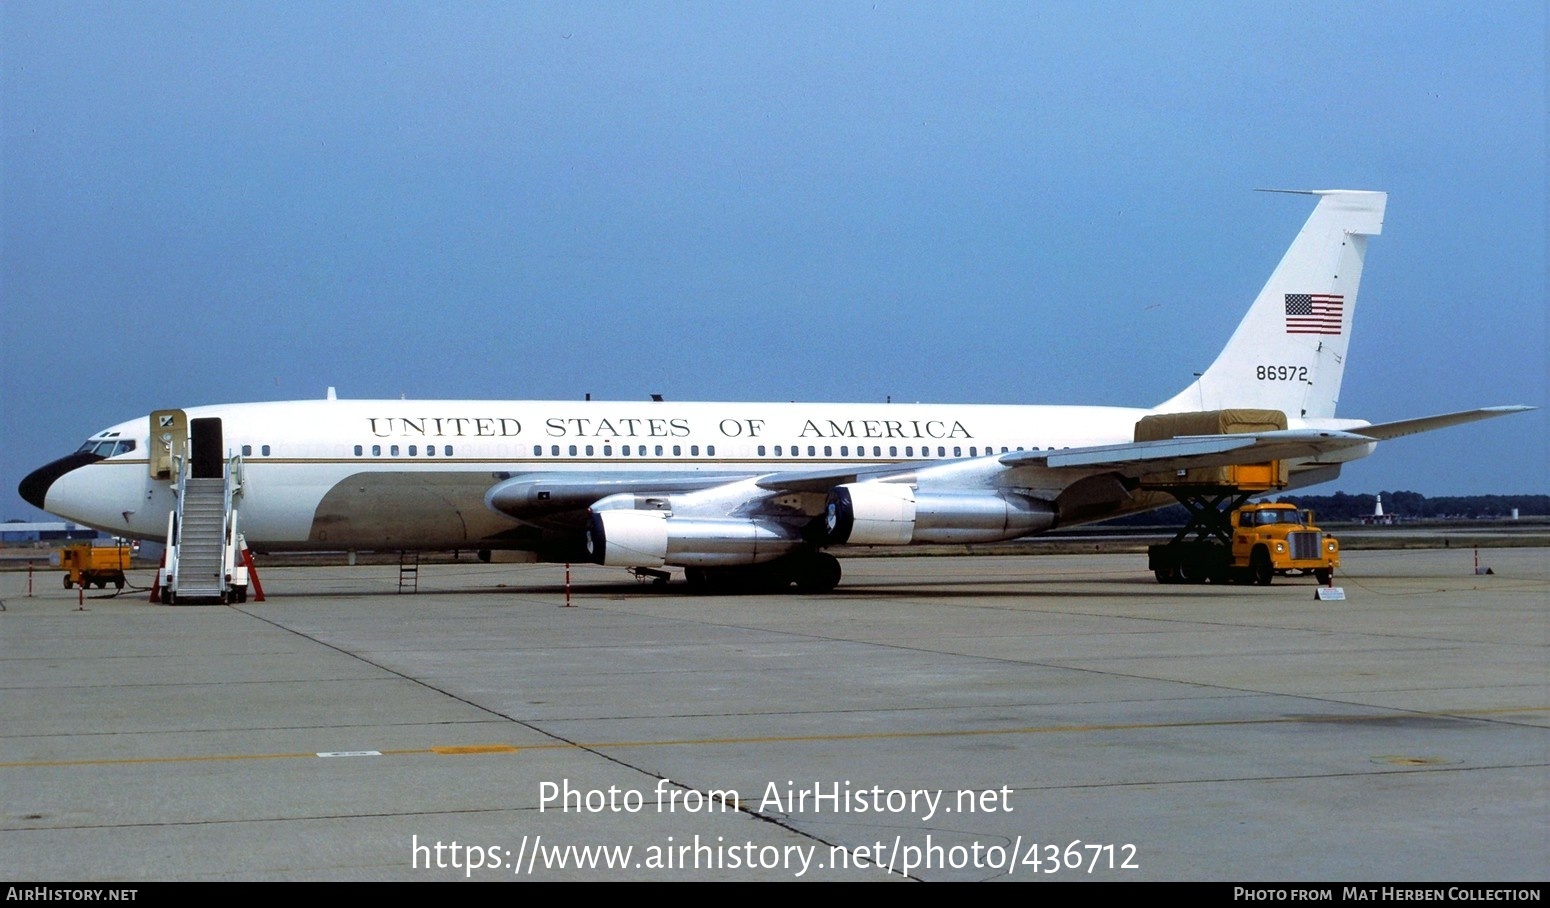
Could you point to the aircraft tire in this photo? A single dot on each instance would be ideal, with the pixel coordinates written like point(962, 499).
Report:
point(819, 574)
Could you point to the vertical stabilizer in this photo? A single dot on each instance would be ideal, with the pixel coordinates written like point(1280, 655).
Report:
point(1289, 351)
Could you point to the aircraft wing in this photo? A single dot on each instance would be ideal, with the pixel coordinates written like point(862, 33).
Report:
point(535, 495)
point(1135, 458)
point(824, 480)
point(1388, 430)
point(1191, 451)
point(718, 518)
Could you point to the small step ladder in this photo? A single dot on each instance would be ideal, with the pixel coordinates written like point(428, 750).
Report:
point(408, 571)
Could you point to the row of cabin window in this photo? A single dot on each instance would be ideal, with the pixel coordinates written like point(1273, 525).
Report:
point(554, 450)
point(392, 451)
point(678, 451)
point(877, 451)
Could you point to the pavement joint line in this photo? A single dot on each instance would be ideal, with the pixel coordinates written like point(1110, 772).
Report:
point(480, 749)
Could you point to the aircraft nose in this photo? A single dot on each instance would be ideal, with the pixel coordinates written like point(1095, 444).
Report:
point(34, 488)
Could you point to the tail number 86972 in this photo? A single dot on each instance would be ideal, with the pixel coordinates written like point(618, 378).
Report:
point(1281, 373)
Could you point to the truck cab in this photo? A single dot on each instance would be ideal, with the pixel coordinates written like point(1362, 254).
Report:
point(1275, 538)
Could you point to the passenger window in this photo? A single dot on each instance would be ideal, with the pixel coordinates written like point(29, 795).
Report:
point(247, 450)
point(554, 450)
point(608, 450)
point(376, 450)
point(893, 450)
point(777, 450)
point(677, 450)
point(659, 450)
point(710, 450)
point(694, 450)
point(812, 451)
point(393, 450)
point(430, 450)
point(909, 450)
point(357, 450)
point(573, 450)
point(538, 450)
point(761, 450)
point(590, 449)
point(447, 450)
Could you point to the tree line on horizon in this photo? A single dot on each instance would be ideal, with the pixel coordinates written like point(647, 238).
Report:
point(1398, 505)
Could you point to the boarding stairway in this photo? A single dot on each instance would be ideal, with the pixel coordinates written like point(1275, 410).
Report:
point(205, 560)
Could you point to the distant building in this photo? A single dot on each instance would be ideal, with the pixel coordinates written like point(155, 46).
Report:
point(16, 531)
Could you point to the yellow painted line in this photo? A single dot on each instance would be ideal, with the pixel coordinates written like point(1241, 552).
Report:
point(473, 749)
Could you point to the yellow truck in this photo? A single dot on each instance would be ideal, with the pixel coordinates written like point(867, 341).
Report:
point(86, 565)
point(1265, 539)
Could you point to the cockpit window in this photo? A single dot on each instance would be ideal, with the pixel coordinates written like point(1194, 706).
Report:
point(107, 447)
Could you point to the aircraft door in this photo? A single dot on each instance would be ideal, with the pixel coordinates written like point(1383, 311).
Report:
point(208, 454)
point(169, 441)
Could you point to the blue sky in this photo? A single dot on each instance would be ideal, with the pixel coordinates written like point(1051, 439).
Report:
point(998, 203)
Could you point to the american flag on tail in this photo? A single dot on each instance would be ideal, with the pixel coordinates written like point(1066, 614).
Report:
point(1314, 313)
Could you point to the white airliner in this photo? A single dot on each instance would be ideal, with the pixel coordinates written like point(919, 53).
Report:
point(743, 492)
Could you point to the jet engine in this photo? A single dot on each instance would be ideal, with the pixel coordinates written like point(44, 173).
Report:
point(650, 538)
point(889, 513)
